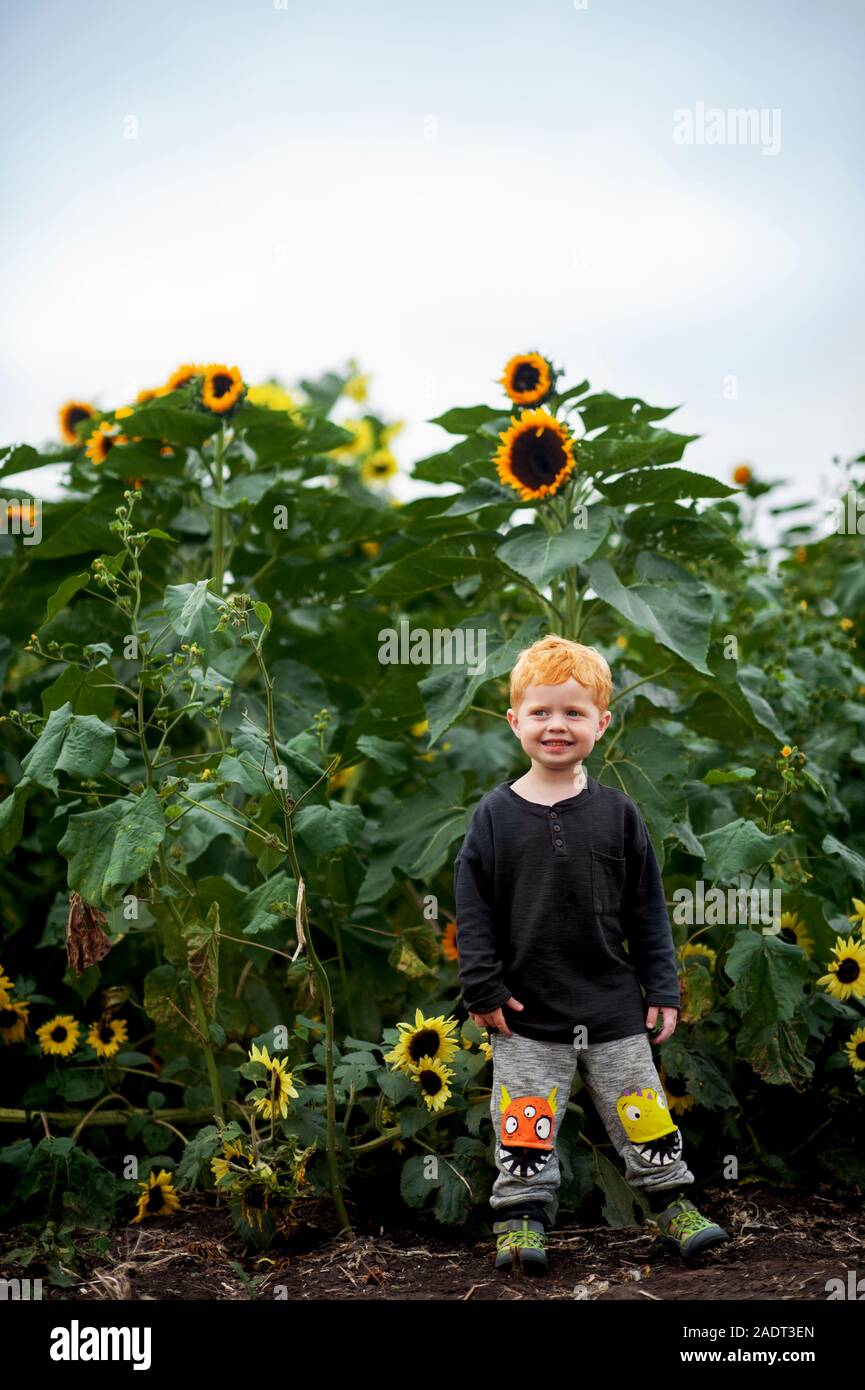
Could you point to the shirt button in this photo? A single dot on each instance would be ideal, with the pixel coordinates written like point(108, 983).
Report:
point(557, 827)
point(560, 842)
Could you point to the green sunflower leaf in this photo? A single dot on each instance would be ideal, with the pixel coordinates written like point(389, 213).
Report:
point(112, 847)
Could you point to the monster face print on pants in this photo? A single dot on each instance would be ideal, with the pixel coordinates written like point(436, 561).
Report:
point(528, 1125)
point(649, 1126)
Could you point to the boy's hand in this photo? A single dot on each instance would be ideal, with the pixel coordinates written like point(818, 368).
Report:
point(496, 1018)
point(668, 1027)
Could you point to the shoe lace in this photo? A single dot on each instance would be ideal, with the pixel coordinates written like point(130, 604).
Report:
point(521, 1238)
point(687, 1222)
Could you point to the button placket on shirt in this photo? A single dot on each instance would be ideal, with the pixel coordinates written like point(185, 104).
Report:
point(557, 833)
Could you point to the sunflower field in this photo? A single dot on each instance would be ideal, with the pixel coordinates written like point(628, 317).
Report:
point(234, 775)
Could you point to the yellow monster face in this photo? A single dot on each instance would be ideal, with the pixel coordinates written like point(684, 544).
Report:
point(644, 1114)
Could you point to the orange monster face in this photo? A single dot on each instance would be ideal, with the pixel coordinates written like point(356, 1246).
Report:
point(528, 1125)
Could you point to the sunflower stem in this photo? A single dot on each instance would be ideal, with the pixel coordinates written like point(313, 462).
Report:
point(218, 563)
point(198, 1004)
point(572, 619)
point(315, 966)
point(212, 1072)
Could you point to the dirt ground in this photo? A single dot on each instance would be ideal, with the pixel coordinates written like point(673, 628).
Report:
point(783, 1246)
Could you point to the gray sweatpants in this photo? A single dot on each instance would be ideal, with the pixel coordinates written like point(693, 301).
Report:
point(530, 1091)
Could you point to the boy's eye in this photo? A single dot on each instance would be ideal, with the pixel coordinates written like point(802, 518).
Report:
point(542, 713)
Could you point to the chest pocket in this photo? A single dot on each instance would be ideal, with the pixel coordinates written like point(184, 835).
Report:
point(608, 883)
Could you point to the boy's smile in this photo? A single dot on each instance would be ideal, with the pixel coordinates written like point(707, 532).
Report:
point(558, 726)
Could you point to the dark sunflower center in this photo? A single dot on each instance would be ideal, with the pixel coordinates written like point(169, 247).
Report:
point(424, 1044)
point(860, 1051)
point(221, 384)
point(787, 934)
point(107, 442)
point(848, 971)
point(106, 1033)
point(76, 415)
point(156, 1197)
point(430, 1082)
point(526, 377)
point(538, 459)
point(59, 1034)
point(675, 1087)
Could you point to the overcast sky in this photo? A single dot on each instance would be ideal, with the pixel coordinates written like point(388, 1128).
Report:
point(432, 188)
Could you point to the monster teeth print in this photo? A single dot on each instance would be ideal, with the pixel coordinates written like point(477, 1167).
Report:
point(662, 1151)
point(523, 1163)
point(528, 1125)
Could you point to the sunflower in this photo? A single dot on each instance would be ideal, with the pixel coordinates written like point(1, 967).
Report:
point(859, 914)
point(279, 1084)
point(59, 1037)
point(433, 1080)
point(528, 378)
point(794, 932)
point(357, 388)
point(362, 443)
point(418, 729)
point(855, 1049)
point(236, 1156)
point(13, 1020)
point(222, 388)
point(102, 440)
point(255, 1195)
point(536, 454)
point(380, 466)
point(107, 1037)
point(272, 397)
point(846, 975)
point(6, 986)
point(742, 474)
point(158, 1197)
point(144, 396)
point(391, 431)
point(70, 415)
point(697, 948)
point(449, 942)
point(179, 378)
point(370, 548)
point(679, 1098)
point(343, 777)
point(485, 1046)
point(428, 1038)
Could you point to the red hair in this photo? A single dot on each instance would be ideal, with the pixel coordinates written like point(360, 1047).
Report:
point(552, 660)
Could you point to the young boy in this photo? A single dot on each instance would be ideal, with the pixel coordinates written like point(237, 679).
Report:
point(555, 875)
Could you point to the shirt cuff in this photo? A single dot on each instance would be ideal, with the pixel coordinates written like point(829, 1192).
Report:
point(488, 1002)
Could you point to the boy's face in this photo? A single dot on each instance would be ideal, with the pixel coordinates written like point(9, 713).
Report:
point(558, 725)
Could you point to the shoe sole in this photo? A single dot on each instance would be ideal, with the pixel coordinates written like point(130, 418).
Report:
point(696, 1245)
point(528, 1264)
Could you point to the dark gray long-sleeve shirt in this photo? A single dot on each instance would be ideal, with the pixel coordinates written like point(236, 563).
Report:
point(563, 907)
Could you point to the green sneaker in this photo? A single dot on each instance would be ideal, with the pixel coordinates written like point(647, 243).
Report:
point(684, 1229)
point(521, 1245)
